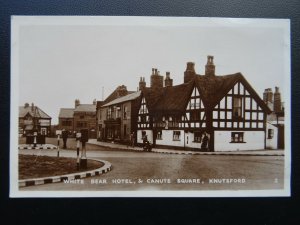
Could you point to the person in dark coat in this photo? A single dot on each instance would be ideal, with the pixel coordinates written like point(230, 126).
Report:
point(204, 141)
point(65, 138)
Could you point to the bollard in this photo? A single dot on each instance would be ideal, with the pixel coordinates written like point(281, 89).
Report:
point(84, 139)
point(83, 159)
point(34, 139)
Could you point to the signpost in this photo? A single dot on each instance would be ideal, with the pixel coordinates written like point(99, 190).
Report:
point(58, 133)
point(84, 139)
point(34, 139)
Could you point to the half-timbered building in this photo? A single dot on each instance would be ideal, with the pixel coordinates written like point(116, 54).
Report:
point(208, 112)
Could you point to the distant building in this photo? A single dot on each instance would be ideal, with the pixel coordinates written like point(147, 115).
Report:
point(275, 120)
point(116, 115)
point(32, 118)
point(83, 116)
point(117, 118)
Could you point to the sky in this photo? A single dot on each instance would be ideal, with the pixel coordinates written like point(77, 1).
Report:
point(61, 60)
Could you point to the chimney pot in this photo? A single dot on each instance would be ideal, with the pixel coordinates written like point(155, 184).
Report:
point(210, 67)
point(189, 73)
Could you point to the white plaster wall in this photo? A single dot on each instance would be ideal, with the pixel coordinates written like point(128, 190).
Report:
point(167, 139)
point(148, 132)
point(186, 139)
point(254, 141)
point(189, 141)
point(272, 143)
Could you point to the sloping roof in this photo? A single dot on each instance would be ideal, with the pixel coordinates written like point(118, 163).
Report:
point(85, 108)
point(125, 98)
point(173, 100)
point(36, 112)
point(66, 113)
point(117, 93)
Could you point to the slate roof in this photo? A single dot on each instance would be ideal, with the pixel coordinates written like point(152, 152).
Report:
point(173, 100)
point(169, 99)
point(37, 112)
point(85, 108)
point(66, 113)
point(125, 98)
point(117, 93)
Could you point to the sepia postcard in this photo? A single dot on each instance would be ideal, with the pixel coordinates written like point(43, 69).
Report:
point(149, 107)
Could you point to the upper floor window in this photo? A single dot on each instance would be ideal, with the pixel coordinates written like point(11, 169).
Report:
point(81, 124)
point(125, 112)
point(81, 117)
point(109, 113)
point(237, 107)
point(66, 123)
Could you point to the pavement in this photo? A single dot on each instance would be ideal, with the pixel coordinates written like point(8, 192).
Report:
point(263, 152)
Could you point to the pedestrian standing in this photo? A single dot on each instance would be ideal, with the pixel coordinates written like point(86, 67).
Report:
point(204, 142)
point(65, 137)
point(132, 139)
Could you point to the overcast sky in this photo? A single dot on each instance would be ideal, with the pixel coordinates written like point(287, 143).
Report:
point(60, 62)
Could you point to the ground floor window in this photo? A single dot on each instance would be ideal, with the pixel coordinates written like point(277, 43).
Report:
point(176, 135)
point(270, 133)
point(197, 136)
point(159, 135)
point(237, 137)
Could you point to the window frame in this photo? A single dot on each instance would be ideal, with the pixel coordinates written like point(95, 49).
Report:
point(178, 136)
point(237, 137)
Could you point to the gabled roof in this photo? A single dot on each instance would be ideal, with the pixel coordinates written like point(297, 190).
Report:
point(85, 108)
point(66, 113)
point(125, 98)
point(213, 88)
point(33, 112)
point(173, 100)
point(169, 99)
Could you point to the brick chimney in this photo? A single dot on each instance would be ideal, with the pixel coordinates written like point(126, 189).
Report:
point(189, 73)
point(268, 95)
point(142, 83)
point(210, 67)
point(32, 107)
point(122, 91)
point(157, 81)
point(168, 80)
point(277, 100)
point(77, 102)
